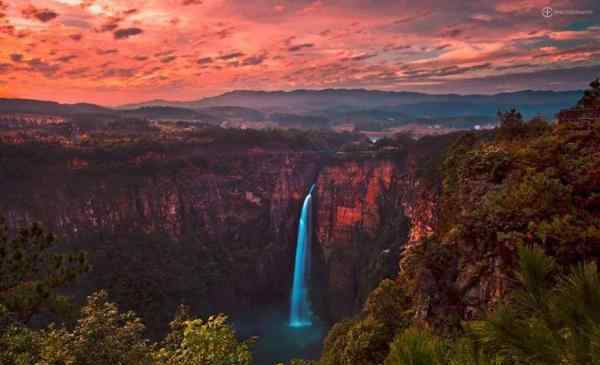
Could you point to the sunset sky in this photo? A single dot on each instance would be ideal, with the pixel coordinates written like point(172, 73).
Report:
point(120, 51)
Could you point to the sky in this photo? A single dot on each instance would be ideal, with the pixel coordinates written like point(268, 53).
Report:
point(113, 52)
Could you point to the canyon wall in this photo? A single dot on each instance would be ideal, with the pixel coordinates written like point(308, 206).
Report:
point(217, 229)
point(368, 210)
point(219, 237)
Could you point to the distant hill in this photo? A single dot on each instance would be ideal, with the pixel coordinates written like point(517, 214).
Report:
point(234, 112)
point(339, 104)
point(365, 109)
point(296, 121)
point(317, 100)
point(95, 111)
point(168, 112)
point(49, 107)
point(157, 103)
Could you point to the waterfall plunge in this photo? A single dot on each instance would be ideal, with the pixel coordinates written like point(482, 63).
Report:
point(300, 313)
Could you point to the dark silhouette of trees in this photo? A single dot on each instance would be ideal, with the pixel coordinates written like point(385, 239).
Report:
point(511, 124)
point(32, 269)
point(591, 97)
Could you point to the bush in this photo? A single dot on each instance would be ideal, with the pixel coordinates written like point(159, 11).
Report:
point(551, 318)
point(416, 347)
point(210, 342)
point(103, 336)
point(389, 305)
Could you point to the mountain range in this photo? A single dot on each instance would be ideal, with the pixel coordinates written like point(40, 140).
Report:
point(325, 108)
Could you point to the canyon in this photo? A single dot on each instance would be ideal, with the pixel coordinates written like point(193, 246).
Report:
point(215, 228)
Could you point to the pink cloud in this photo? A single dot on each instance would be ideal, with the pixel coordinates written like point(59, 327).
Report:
point(388, 44)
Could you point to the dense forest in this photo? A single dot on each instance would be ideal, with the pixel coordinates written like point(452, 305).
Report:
point(509, 275)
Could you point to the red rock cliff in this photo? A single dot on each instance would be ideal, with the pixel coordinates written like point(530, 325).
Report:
point(367, 211)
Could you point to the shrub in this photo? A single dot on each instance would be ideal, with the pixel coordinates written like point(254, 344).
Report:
point(210, 342)
point(416, 347)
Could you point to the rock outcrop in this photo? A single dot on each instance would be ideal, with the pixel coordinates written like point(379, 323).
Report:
point(368, 211)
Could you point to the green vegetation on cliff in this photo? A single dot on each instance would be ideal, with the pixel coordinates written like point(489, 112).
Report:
point(510, 275)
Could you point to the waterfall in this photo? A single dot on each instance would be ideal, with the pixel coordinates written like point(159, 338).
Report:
point(300, 313)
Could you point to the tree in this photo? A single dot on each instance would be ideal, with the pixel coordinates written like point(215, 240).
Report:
point(544, 323)
point(366, 341)
point(210, 342)
point(416, 347)
point(19, 345)
point(511, 125)
point(591, 97)
point(31, 270)
point(389, 305)
point(335, 342)
point(103, 336)
point(537, 126)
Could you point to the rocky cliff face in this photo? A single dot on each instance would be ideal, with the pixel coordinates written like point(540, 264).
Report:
point(367, 211)
point(527, 184)
point(217, 229)
point(218, 236)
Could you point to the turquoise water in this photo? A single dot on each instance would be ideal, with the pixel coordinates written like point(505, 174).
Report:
point(277, 340)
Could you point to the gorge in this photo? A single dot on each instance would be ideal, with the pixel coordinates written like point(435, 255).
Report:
point(151, 214)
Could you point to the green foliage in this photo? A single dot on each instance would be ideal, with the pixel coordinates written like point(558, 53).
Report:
point(105, 336)
point(538, 188)
point(211, 342)
point(335, 343)
point(550, 318)
point(102, 336)
point(452, 171)
point(511, 125)
point(533, 184)
point(19, 346)
point(536, 195)
point(466, 350)
point(365, 341)
point(360, 342)
point(416, 347)
point(537, 126)
point(389, 305)
point(543, 323)
point(428, 259)
point(508, 202)
point(31, 270)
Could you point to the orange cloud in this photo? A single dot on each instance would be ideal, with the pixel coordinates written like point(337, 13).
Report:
point(113, 51)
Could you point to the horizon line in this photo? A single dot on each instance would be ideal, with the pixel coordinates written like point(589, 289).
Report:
point(117, 106)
